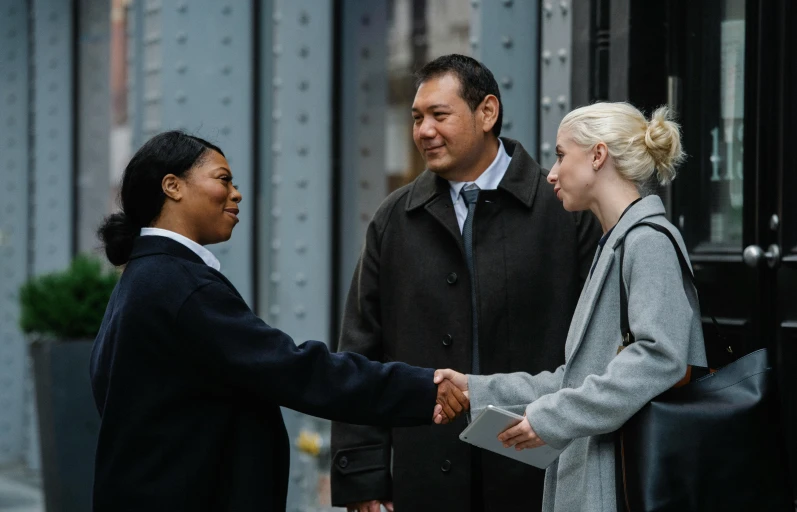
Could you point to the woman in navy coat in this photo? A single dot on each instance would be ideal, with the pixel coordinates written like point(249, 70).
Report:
point(187, 379)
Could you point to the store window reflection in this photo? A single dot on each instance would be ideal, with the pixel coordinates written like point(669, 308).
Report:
point(418, 31)
point(724, 164)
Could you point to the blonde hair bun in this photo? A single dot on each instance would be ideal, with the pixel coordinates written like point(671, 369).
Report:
point(663, 139)
point(639, 147)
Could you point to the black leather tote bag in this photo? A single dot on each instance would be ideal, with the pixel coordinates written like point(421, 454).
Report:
point(711, 444)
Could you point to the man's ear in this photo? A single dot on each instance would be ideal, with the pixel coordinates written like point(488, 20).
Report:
point(172, 186)
point(489, 110)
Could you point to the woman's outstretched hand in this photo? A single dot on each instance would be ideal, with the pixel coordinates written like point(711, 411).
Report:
point(521, 436)
point(452, 395)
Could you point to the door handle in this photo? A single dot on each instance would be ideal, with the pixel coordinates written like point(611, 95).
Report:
point(753, 255)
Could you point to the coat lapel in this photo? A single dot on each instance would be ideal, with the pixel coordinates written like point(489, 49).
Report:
point(647, 207)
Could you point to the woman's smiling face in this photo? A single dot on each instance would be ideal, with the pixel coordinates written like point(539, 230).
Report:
point(210, 200)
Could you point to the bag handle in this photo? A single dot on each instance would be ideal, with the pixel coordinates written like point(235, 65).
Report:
point(628, 336)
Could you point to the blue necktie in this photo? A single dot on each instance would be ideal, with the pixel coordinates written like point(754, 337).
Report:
point(471, 197)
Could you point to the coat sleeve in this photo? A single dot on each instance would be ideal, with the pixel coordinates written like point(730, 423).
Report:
point(365, 474)
point(511, 391)
point(225, 338)
point(660, 316)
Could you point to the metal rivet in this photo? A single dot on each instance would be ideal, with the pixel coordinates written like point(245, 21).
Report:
point(304, 18)
point(546, 102)
point(364, 217)
point(364, 119)
point(365, 86)
point(301, 280)
point(302, 216)
point(547, 7)
point(182, 37)
point(562, 100)
point(564, 7)
point(276, 212)
point(227, 9)
point(546, 56)
point(474, 3)
point(277, 17)
point(303, 117)
point(275, 245)
point(276, 180)
point(474, 42)
point(275, 277)
point(302, 183)
point(274, 310)
point(299, 311)
point(304, 51)
point(182, 7)
point(507, 82)
point(226, 70)
point(507, 124)
point(546, 148)
point(365, 20)
point(301, 247)
point(302, 151)
point(226, 99)
point(365, 152)
point(364, 184)
point(226, 40)
point(562, 54)
point(277, 50)
point(276, 115)
point(276, 148)
point(180, 97)
point(277, 82)
point(365, 53)
point(507, 42)
point(225, 130)
point(304, 85)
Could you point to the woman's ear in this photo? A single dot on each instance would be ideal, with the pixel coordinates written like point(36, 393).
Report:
point(489, 110)
point(599, 155)
point(172, 186)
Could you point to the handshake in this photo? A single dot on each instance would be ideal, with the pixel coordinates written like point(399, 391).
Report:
point(452, 396)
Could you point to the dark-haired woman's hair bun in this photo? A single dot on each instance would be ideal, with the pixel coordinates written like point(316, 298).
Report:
point(117, 233)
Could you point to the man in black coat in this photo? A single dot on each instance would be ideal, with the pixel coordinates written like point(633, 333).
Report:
point(474, 266)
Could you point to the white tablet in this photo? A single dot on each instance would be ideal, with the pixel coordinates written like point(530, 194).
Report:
point(483, 432)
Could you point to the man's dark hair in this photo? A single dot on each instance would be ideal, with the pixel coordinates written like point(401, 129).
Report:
point(475, 81)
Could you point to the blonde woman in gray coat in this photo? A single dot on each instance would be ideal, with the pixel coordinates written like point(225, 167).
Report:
point(607, 154)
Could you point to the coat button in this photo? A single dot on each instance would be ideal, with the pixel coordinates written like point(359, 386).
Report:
point(451, 278)
point(343, 462)
point(448, 340)
point(446, 466)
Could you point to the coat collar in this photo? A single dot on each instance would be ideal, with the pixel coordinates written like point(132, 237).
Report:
point(521, 179)
point(151, 245)
point(649, 206)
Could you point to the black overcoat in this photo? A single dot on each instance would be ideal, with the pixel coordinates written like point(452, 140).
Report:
point(410, 301)
point(189, 384)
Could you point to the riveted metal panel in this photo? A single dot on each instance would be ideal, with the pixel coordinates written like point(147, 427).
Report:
point(301, 172)
point(555, 69)
point(94, 119)
point(206, 84)
point(53, 131)
point(14, 149)
point(505, 37)
point(299, 208)
point(266, 181)
point(364, 106)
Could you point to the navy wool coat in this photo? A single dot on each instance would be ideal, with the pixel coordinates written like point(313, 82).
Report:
point(189, 384)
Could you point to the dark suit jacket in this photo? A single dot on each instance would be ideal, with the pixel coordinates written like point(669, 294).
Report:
point(189, 381)
point(410, 300)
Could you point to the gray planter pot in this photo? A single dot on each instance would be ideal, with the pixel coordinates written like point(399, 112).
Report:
point(68, 422)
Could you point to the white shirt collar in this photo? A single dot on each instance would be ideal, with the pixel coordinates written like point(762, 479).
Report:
point(207, 256)
point(490, 178)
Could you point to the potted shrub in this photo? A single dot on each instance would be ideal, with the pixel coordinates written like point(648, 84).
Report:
point(61, 313)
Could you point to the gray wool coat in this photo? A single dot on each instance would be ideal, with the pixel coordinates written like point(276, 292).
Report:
point(597, 390)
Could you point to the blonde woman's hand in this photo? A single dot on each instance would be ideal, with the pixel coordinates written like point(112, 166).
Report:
point(521, 436)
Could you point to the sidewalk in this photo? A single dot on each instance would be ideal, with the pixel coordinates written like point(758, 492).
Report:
point(20, 491)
